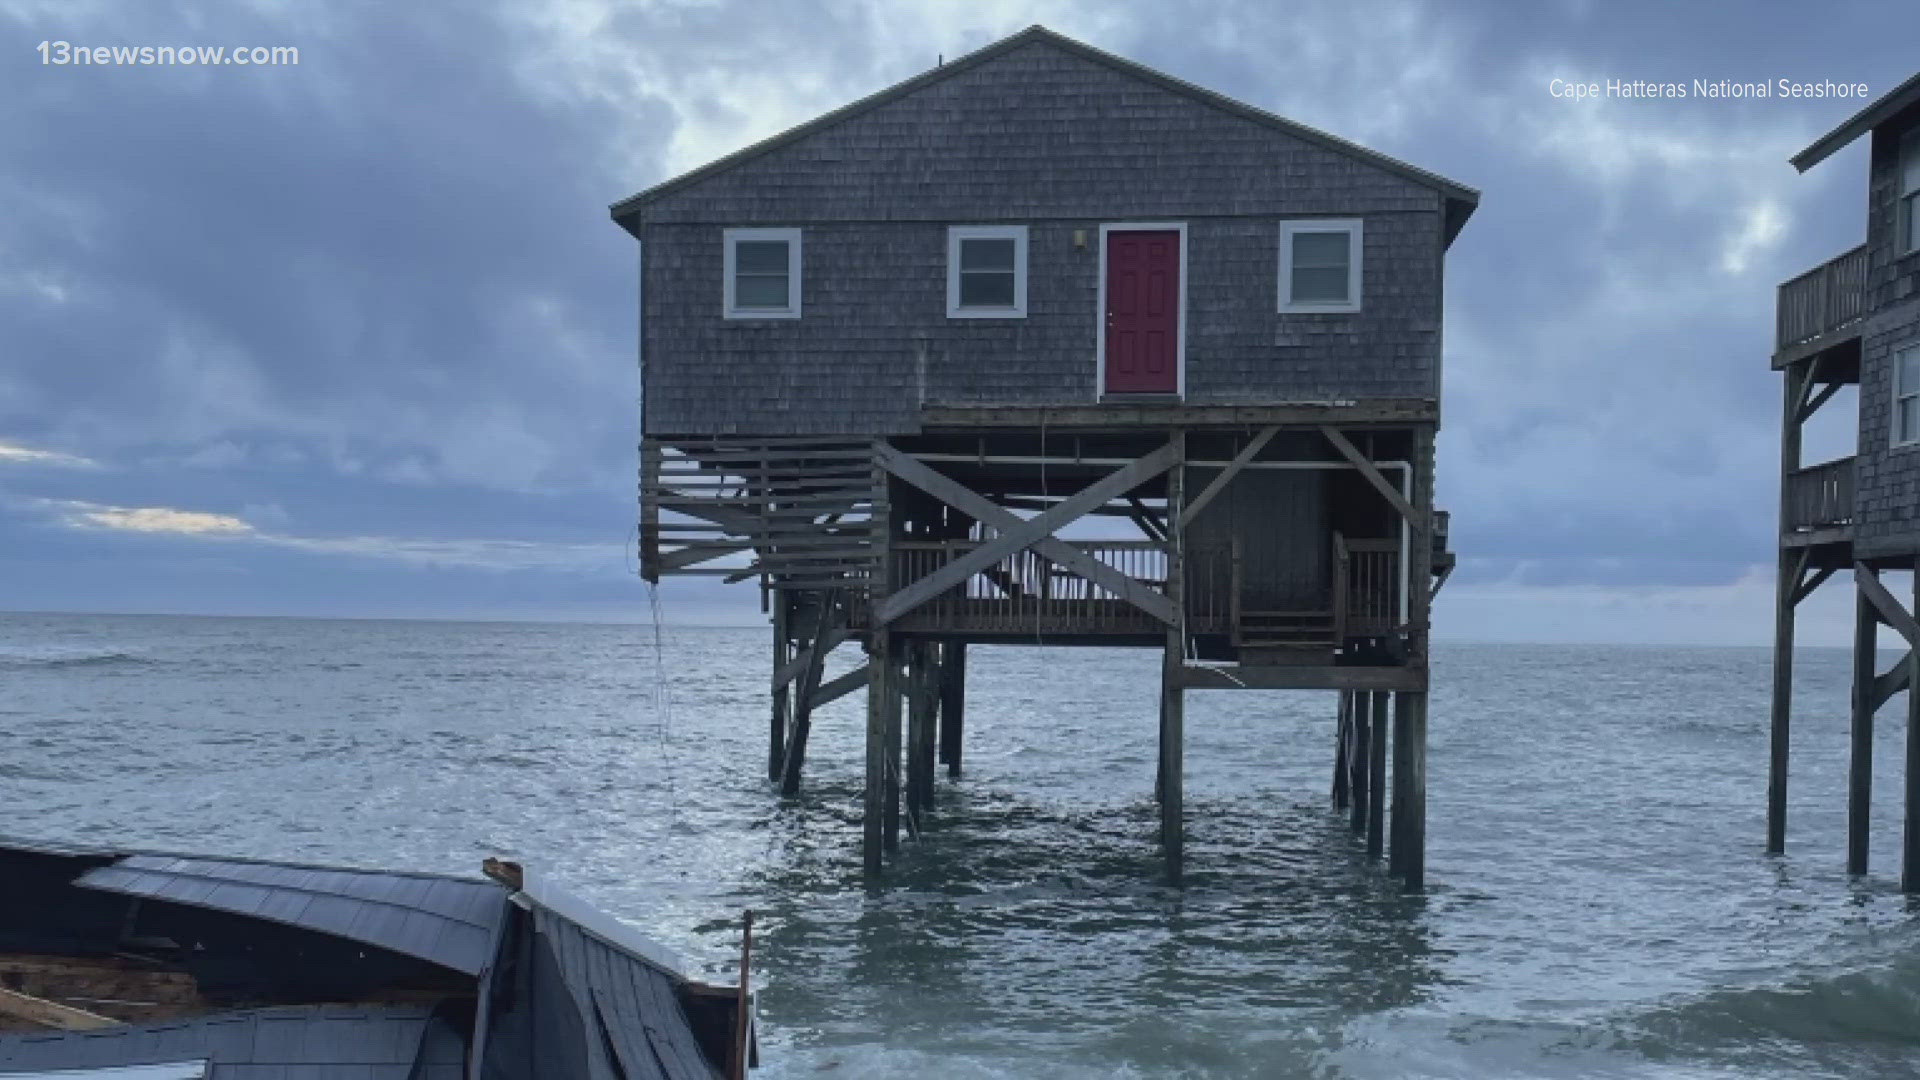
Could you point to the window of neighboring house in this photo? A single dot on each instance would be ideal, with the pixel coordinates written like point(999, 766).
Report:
point(1320, 265)
point(762, 274)
point(1906, 396)
point(1907, 215)
point(987, 272)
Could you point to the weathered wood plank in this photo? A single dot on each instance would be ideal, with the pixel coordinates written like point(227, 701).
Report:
point(840, 686)
point(1301, 677)
point(50, 1014)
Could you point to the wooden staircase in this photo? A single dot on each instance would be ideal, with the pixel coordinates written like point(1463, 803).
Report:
point(1285, 637)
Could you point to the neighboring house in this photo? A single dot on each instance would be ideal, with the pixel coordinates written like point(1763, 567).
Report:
point(889, 355)
point(1855, 321)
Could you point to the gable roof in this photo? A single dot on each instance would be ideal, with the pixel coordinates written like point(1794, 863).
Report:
point(1890, 103)
point(1461, 199)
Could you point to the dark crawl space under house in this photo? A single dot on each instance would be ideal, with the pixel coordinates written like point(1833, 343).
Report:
point(899, 360)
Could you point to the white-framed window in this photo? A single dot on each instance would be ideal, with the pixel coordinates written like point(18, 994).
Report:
point(987, 272)
point(1906, 215)
point(1320, 265)
point(1906, 396)
point(762, 274)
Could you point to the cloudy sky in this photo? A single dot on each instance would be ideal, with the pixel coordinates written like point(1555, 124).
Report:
point(356, 337)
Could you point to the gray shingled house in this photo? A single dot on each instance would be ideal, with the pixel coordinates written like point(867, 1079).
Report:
point(897, 359)
point(1855, 321)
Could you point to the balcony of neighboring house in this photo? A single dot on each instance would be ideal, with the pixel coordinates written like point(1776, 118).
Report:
point(1818, 505)
point(1821, 308)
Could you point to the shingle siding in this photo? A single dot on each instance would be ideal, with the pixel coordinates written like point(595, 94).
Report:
point(1042, 137)
point(1887, 484)
point(1887, 491)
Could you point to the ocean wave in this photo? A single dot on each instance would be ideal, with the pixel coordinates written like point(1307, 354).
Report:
point(37, 657)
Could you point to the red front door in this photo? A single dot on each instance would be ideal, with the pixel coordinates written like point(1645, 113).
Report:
point(1143, 312)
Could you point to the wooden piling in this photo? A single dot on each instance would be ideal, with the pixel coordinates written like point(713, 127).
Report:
point(1860, 770)
point(806, 685)
point(897, 682)
point(1413, 865)
point(879, 693)
point(1173, 662)
point(777, 737)
point(953, 704)
point(1786, 586)
point(1402, 785)
point(1910, 833)
point(1377, 774)
point(922, 702)
point(1783, 612)
point(1358, 751)
point(1342, 736)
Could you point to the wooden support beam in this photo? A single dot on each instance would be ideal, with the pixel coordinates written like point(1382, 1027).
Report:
point(696, 553)
point(840, 686)
point(1372, 473)
point(1017, 535)
point(1860, 765)
point(880, 695)
point(50, 1014)
point(1301, 677)
point(1173, 724)
point(1910, 826)
point(922, 701)
point(1884, 605)
point(1783, 615)
point(953, 704)
point(1413, 867)
point(1377, 773)
point(782, 711)
point(899, 681)
point(807, 689)
point(1402, 782)
point(1342, 742)
point(1891, 681)
point(1219, 483)
point(1446, 571)
point(1820, 576)
point(1148, 522)
point(1357, 757)
point(1813, 406)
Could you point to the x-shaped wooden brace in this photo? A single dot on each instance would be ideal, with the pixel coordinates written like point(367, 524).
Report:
point(1018, 535)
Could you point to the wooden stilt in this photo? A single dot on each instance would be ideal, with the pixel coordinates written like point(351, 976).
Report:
point(1342, 736)
point(1358, 748)
point(1860, 772)
point(1402, 781)
point(898, 680)
point(1413, 864)
point(1786, 585)
point(1910, 834)
point(879, 693)
point(1172, 762)
point(1173, 831)
point(953, 703)
point(818, 645)
point(1377, 774)
point(922, 702)
point(777, 737)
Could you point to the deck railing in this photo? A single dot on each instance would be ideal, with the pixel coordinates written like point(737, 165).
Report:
point(1820, 496)
point(1823, 299)
point(1367, 586)
point(1028, 592)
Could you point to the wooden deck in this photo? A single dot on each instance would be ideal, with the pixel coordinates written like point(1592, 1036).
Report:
point(1820, 307)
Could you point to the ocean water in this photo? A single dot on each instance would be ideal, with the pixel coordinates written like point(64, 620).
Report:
point(1599, 901)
